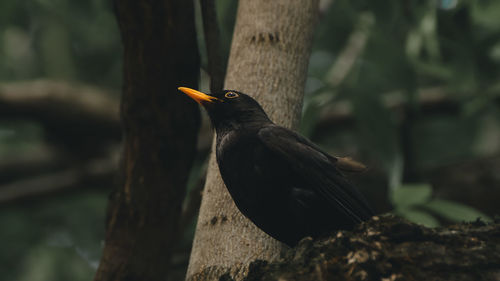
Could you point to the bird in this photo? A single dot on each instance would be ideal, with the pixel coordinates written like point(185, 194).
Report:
point(281, 181)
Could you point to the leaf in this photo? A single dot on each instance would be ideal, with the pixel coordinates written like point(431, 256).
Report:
point(410, 195)
point(454, 211)
point(417, 216)
point(395, 172)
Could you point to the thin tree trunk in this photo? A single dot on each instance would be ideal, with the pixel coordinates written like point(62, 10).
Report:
point(160, 126)
point(216, 64)
point(268, 60)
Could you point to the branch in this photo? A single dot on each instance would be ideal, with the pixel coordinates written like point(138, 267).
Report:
point(353, 49)
point(191, 206)
point(81, 109)
point(98, 172)
point(435, 100)
point(474, 182)
point(216, 65)
point(390, 248)
point(39, 160)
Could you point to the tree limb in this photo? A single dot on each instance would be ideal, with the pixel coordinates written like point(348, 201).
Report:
point(390, 248)
point(353, 49)
point(81, 109)
point(435, 100)
point(216, 65)
point(99, 172)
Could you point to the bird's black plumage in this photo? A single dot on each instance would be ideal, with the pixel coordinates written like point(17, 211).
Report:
point(281, 181)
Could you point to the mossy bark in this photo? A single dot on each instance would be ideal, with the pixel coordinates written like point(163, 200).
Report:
point(389, 248)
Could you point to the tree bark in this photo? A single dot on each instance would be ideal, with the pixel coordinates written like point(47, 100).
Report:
point(160, 126)
point(389, 248)
point(268, 60)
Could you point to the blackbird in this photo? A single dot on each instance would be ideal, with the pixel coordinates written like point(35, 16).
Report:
point(285, 184)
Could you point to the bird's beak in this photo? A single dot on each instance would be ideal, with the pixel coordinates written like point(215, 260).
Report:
point(198, 96)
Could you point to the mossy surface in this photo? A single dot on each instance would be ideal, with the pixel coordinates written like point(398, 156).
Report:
point(391, 248)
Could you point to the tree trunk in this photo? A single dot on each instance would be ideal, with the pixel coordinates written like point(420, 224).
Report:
point(268, 60)
point(160, 126)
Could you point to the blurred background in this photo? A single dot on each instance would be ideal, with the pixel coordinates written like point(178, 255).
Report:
point(410, 88)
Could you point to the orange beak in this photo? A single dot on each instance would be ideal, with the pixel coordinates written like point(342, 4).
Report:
point(198, 96)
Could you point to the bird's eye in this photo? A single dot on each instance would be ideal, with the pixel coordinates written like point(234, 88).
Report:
point(231, 95)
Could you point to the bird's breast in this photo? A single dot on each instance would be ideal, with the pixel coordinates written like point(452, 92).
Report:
point(245, 166)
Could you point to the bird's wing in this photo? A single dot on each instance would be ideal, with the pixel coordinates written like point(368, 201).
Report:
point(346, 164)
point(318, 168)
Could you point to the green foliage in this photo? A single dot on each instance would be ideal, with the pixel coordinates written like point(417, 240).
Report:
point(415, 202)
point(406, 200)
point(17, 138)
point(70, 40)
point(413, 49)
point(418, 216)
point(54, 239)
point(454, 211)
point(447, 48)
point(409, 196)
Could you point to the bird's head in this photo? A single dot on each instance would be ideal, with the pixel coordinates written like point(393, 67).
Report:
point(229, 109)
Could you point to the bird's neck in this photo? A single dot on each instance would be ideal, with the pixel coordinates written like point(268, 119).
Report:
point(230, 125)
point(230, 134)
point(243, 120)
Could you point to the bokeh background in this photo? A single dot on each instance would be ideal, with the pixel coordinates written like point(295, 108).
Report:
point(411, 88)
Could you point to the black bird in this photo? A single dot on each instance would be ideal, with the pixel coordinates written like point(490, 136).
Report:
point(280, 180)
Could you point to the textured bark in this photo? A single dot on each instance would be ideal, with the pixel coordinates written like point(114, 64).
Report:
point(389, 248)
point(268, 60)
point(160, 127)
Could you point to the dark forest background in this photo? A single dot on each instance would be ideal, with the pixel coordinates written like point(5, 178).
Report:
point(411, 88)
